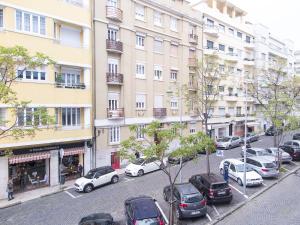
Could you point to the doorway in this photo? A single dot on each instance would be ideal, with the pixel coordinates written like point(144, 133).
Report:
point(115, 160)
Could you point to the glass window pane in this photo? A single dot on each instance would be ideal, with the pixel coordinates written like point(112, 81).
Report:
point(78, 116)
point(64, 116)
point(26, 22)
point(18, 20)
point(28, 74)
point(35, 24)
point(35, 75)
point(43, 75)
point(42, 25)
point(69, 116)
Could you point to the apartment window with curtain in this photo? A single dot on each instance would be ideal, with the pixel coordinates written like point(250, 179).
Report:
point(1, 18)
point(157, 18)
point(158, 72)
point(158, 46)
point(114, 135)
point(139, 132)
point(140, 71)
point(174, 49)
point(210, 44)
point(248, 39)
point(174, 103)
point(222, 47)
point(34, 75)
point(69, 77)
point(140, 101)
point(173, 24)
point(238, 110)
point(231, 31)
point(140, 41)
point(173, 75)
point(221, 111)
point(239, 35)
point(70, 117)
point(140, 12)
point(30, 22)
point(222, 28)
point(30, 117)
point(210, 23)
point(221, 68)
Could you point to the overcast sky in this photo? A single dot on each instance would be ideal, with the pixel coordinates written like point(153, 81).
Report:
point(281, 16)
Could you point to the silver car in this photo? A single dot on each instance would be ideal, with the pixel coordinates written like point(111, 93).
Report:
point(264, 165)
point(228, 142)
point(255, 152)
point(285, 157)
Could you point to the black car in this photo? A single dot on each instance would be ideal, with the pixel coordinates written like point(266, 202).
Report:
point(293, 148)
point(143, 210)
point(176, 160)
point(213, 187)
point(271, 131)
point(296, 136)
point(97, 219)
point(189, 202)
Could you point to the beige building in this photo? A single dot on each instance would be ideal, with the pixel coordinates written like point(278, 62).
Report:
point(144, 50)
point(65, 90)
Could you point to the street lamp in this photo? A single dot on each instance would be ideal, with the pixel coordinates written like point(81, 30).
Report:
point(245, 134)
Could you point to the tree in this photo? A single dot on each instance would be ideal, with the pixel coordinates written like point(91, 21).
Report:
point(13, 62)
point(156, 144)
point(205, 94)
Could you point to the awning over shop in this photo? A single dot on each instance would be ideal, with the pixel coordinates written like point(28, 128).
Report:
point(28, 157)
point(73, 151)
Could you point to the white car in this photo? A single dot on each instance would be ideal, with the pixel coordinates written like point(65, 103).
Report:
point(96, 177)
point(228, 142)
point(141, 166)
point(236, 172)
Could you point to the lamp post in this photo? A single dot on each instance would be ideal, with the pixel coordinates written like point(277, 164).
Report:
point(61, 155)
point(245, 135)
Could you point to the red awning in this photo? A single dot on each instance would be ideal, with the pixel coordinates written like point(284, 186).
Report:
point(28, 157)
point(73, 151)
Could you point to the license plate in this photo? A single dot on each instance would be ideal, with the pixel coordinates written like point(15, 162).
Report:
point(222, 192)
point(195, 212)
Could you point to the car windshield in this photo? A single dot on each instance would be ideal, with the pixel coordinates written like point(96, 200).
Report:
point(90, 174)
point(224, 139)
point(240, 168)
point(149, 221)
point(219, 186)
point(269, 165)
point(138, 161)
point(192, 198)
point(260, 153)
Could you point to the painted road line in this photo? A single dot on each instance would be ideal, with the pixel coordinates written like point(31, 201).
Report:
point(70, 194)
point(127, 180)
point(246, 196)
point(214, 207)
point(208, 217)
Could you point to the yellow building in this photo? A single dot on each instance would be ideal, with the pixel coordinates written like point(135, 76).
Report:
point(65, 90)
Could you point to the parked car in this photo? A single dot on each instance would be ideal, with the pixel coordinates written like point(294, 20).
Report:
point(296, 136)
point(213, 187)
point(141, 166)
point(292, 148)
point(255, 152)
point(228, 142)
point(143, 210)
point(176, 160)
point(251, 137)
point(236, 172)
point(96, 177)
point(264, 165)
point(271, 131)
point(97, 219)
point(189, 202)
point(285, 157)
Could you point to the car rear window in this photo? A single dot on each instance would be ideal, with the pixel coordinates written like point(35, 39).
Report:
point(149, 221)
point(192, 198)
point(269, 165)
point(219, 186)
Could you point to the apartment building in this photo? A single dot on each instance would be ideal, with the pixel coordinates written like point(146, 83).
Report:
point(64, 89)
point(144, 52)
point(227, 35)
point(297, 62)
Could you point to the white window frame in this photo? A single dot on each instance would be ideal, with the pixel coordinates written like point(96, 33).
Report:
point(174, 104)
point(140, 135)
point(70, 110)
point(114, 135)
point(192, 130)
point(174, 46)
point(140, 70)
point(140, 12)
point(140, 101)
point(173, 24)
point(173, 75)
point(1, 18)
point(158, 46)
point(157, 18)
point(41, 72)
point(140, 41)
point(222, 109)
point(158, 72)
point(41, 26)
point(23, 112)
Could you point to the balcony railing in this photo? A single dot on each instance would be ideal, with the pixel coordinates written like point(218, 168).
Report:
point(114, 46)
point(114, 13)
point(192, 62)
point(192, 86)
point(114, 78)
point(211, 30)
point(193, 38)
point(115, 113)
point(74, 86)
point(159, 112)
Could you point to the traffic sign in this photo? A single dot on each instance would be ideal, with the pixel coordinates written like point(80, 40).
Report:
point(220, 153)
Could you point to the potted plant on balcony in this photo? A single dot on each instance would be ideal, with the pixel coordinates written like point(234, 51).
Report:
point(59, 80)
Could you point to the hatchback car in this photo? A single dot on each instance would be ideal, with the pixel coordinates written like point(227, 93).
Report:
point(284, 156)
point(228, 142)
point(251, 137)
point(292, 148)
point(143, 210)
point(263, 165)
point(236, 172)
point(98, 219)
point(271, 131)
point(176, 160)
point(255, 152)
point(96, 177)
point(189, 202)
point(296, 136)
point(213, 187)
point(141, 166)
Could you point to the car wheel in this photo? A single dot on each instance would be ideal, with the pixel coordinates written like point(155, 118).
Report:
point(229, 147)
point(88, 188)
point(165, 196)
point(178, 214)
point(114, 179)
point(221, 171)
point(240, 182)
point(141, 173)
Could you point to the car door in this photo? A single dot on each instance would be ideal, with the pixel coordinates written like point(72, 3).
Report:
point(234, 141)
point(198, 182)
point(232, 171)
point(251, 163)
point(108, 175)
point(155, 163)
point(98, 178)
point(149, 165)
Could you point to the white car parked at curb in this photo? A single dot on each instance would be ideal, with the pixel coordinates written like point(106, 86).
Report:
point(141, 166)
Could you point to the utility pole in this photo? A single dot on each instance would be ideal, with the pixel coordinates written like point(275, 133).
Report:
point(245, 136)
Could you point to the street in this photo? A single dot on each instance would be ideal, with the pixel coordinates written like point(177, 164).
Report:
point(66, 208)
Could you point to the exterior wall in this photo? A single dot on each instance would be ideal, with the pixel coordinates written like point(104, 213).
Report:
point(3, 176)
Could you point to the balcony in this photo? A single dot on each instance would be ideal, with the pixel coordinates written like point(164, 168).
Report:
point(71, 86)
point(210, 50)
point(240, 115)
point(114, 78)
point(194, 113)
point(193, 39)
point(114, 46)
point(192, 86)
point(193, 62)
point(231, 97)
point(211, 30)
point(249, 45)
point(115, 113)
point(232, 57)
point(249, 61)
point(159, 112)
point(114, 13)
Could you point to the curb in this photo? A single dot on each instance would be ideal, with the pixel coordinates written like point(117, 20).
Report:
point(10, 205)
point(240, 205)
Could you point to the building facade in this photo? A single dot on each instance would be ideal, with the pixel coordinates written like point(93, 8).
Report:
point(64, 89)
point(144, 52)
point(297, 62)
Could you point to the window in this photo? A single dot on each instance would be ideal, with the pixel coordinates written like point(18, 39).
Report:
point(174, 49)
point(140, 101)
point(240, 35)
point(31, 75)
point(230, 49)
point(222, 111)
point(192, 130)
point(139, 131)
point(222, 28)
point(30, 117)
point(231, 111)
point(157, 18)
point(173, 75)
point(238, 110)
point(222, 47)
point(157, 72)
point(139, 12)
point(113, 3)
point(140, 41)
point(75, 2)
point(211, 111)
point(221, 89)
point(210, 23)
point(1, 17)
point(140, 71)
point(158, 46)
point(239, 72)
point(263, 56)
point(69, 78)
point(174, 103)
point(2, 117)
point(114, 134)
point(70, 116)
point(173, 24)
point(112, 34)
point(30, 22)
point(70, 36)
point(222, 68)
point(231, 31)
point(210, 44)
point(248, 39)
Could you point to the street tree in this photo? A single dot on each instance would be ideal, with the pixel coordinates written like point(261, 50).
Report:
point(14, 61)
point(156, 143)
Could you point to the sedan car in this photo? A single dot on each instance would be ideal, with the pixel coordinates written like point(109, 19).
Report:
point(251, 137)
point(141, 166)
point(143, 210)
point(228, 142)
point(271, 131)
point(176, 160)
point(97, 219)
point(263, 165)
point(255, 152)
point(284, 156)
point(236, 172)
point(296, 136)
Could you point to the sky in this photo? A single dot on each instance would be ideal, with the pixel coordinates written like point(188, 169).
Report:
point(281, 16)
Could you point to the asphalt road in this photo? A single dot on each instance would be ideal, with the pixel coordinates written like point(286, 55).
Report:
point(66, 208)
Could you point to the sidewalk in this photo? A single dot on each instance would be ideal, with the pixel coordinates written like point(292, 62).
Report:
point(41, 192)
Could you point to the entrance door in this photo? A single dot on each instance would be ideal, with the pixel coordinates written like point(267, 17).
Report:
point(115, 160)
point(230, 129)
